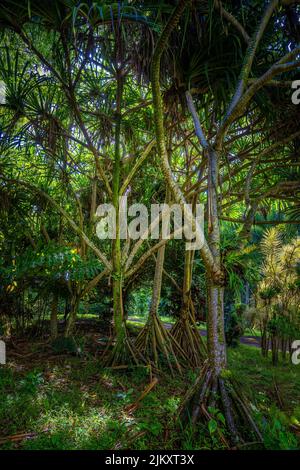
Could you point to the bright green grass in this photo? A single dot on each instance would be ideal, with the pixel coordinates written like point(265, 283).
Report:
point(143, 319)
point(140, 321)
point(81, 316)
point(76, 404)
point(252, 332)
point(258, 375)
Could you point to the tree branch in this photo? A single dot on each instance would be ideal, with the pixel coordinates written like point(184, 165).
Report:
point(75, 227)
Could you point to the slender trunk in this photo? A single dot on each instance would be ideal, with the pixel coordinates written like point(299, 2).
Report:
point(290, 348)
point(93, 200)
point(264, 341)
point(215, 328)
point(154, 341)
point(206, 254)
point(157, 280)
point(45, 233)
point(215, 315)
point(187, 282)
point(216, 343)
point(185, 330)
point(117, 284)
point(123, 350)
point(275, 347)
point(6, 325)
point(67, 310)
point(53, 317)
point(75, 301)
point(264, 331)
point(283, 348)
point(119, 324)
point(247, 293)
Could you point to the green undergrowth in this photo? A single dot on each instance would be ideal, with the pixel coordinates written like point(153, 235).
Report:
point(73, 403)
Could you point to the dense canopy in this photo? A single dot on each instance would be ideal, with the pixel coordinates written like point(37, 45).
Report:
point(183, 102)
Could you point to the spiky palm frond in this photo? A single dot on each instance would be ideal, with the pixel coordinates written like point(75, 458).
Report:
point(271, 242)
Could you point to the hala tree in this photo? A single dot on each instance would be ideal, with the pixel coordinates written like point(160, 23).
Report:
point(220, 89)
point(213, 381)
point(67, 99)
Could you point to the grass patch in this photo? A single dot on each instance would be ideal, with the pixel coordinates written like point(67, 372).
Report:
point(74, 403)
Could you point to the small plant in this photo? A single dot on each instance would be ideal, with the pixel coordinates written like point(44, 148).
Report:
point(31, 382)
point(276, 432)
point(216, 422)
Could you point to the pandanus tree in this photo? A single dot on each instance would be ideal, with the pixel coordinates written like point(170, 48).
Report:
point(185, 329)
point(155, 341)
point(67, 99)
point(94, 63)
point(53, 118)
point(46, 261)
point(214, 382)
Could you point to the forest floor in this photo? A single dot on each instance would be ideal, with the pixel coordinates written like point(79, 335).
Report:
point(61, 401)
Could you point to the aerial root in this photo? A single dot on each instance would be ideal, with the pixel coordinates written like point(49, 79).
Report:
point(187, 335)
point(122, 353)
point(217, 392)
point(154, 342)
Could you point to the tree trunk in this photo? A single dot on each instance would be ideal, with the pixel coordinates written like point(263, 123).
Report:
point(283, 348)
point(156, 292)
point(212, 385)
point(215, 387)
point(247, 293)
point(185, 330)
point(187, 280)
point(93, 200)
point(6, 325)
point(117, 286)
point(154, 341)
point(215, 305)
point(53, 317)
point(264, 342)
point(123, 351)
point(206, 254)
point(117, 283)
point(275, 347)
point(71, 320)
point(216, 343)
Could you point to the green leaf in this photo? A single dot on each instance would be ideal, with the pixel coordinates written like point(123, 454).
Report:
point(212, 426)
